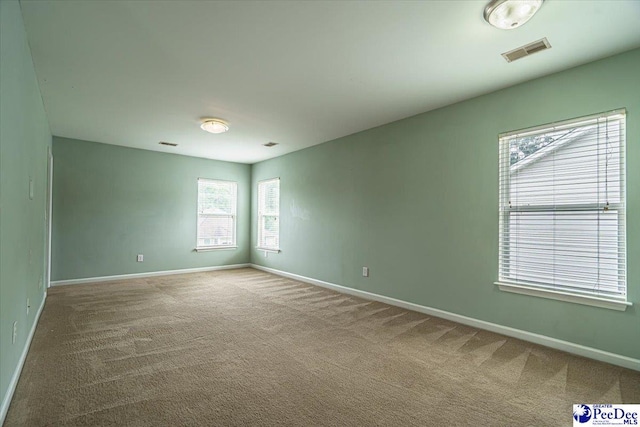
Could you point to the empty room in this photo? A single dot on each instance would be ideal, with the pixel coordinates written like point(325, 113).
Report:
point(325, 213)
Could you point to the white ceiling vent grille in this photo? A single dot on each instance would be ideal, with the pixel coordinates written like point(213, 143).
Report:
point(526, 50)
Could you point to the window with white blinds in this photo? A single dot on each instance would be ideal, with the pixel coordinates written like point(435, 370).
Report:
point(269, 214)
point(562, 207)
point(217, 211)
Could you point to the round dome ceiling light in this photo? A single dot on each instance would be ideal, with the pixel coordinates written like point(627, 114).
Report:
point(214, 125)
point(509, 14)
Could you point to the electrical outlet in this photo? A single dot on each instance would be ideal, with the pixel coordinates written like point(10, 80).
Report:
point(365, 271)
point(15, 332)
point(140, 258)
point(28, 306)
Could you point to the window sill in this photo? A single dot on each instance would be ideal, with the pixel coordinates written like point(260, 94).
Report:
point(602, 302)
point(214, 248)
point(270, 250)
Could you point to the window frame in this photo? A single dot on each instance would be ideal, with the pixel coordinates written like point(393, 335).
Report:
point(233, 216)
point(505, 210)
point(261, 215)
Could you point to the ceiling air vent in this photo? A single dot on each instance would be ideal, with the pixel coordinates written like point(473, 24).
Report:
point(270, 144)
point(170, 144)
point(526, 50)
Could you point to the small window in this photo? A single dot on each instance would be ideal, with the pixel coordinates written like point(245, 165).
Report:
point(562, 210)
point(269, 214)
point(217, 210)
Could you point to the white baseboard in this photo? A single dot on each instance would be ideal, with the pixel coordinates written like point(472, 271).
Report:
point(149, 274)
point(6, 401)
point(569, 347)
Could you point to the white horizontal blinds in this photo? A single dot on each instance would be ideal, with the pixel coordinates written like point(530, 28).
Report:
point(269, 214)
point(217, 210)
point(562, 213)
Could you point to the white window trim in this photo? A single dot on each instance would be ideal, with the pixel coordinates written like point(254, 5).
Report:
point(213, 248)
point(619, 304)
point(613, 304)
point(268, 249)
point(208, 248)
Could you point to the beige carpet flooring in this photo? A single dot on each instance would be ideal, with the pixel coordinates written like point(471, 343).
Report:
point(246, 348)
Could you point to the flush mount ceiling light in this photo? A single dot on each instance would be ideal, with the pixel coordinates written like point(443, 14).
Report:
point(214, 125)
point(509, 14)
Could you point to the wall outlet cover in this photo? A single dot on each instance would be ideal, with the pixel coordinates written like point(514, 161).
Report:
point(140, 258)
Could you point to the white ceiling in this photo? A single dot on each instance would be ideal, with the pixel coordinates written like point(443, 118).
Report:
point(134, 73)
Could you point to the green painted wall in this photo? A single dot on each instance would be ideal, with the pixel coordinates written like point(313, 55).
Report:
point(111, 203)
point(416, 201)
point(24, 139)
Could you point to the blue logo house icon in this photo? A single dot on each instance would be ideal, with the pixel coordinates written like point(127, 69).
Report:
point(581, 413)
